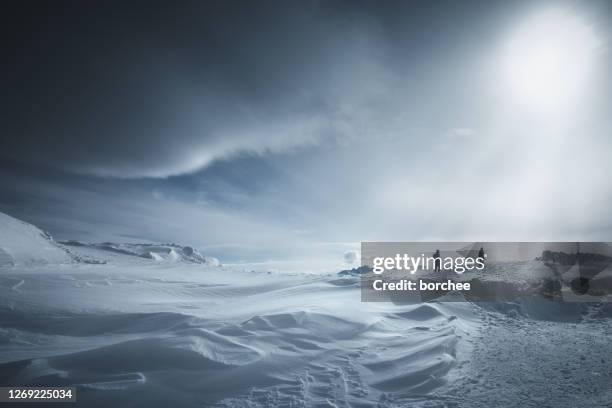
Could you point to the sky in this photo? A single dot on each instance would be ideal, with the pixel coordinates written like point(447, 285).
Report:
point(286, 130)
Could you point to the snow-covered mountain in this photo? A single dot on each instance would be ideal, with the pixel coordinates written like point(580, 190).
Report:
point(24, 244)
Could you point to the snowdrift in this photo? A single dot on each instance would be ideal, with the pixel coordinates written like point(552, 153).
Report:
point(133, 332)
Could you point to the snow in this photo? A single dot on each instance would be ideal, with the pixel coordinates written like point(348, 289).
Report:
point(563, 362)
point(23, 244)
point(156, 252)
point(132, 330)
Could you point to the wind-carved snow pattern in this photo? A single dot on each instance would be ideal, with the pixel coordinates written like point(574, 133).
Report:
point(133, 331)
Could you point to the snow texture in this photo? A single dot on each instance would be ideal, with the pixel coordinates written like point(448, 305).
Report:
point(128, 329)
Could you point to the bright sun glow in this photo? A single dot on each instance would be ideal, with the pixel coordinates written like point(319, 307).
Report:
point(548, 59)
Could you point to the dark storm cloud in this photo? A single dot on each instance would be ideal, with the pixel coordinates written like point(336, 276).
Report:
point(130, 89)
point(158, 88)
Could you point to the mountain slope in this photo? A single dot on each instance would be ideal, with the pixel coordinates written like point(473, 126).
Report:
point(24, 244)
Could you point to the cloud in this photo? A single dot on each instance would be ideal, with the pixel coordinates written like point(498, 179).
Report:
point(169, 91)
point(75, 207)
point(289, 122)
point(351, 257)
point(462, 133)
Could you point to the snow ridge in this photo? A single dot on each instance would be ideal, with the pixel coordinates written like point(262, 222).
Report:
point(22, 244)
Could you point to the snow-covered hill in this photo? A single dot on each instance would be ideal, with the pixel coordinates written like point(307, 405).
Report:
point(24, 244)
